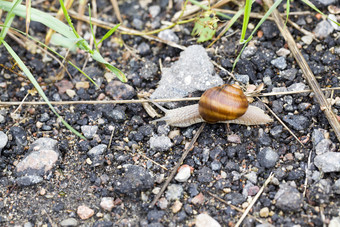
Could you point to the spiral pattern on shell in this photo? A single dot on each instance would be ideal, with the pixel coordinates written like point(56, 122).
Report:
point(222, 103)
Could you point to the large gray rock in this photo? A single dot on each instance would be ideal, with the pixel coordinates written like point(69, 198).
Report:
point(192, 72)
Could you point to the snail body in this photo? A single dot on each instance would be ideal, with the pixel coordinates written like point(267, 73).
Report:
point(222, 104)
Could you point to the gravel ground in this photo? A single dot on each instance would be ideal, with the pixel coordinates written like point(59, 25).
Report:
point(50, 177)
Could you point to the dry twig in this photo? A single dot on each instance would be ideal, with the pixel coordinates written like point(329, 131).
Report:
point(174, 170)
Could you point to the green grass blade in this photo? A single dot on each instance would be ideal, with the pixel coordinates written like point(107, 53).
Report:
point(247, 10)
point(9, 18)
point(121, 76)
point(91, 28)
point(267, 14)
point(39, 89)
point(287, 11)
point(68, 18)
point(109, 33)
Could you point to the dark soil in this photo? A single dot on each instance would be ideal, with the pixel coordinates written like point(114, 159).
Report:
point(130, 171)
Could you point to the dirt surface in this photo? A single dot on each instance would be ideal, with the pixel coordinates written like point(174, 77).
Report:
point(111, 178)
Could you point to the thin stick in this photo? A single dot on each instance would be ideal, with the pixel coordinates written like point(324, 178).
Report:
point(174, 170)
point(307, 72)
point(235, 207)
point(257, 196)
point(15, 103)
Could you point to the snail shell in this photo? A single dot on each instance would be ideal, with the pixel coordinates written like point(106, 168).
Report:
point(217, 105)
point(222, 103)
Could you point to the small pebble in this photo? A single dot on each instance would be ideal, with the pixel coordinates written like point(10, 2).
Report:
point(3, 140)
point(204, 220)
point(162, 203)
point(268, 157)
point(82, 84)
point(307, 39)
point(283, 52)
point(174, 192)
point(168, 35)
point(160, 143)
point(183, 174)
point(198, 199)
point(107, 203)
point(89, 131)
point(176, 207)
point(323, 29)
point(264, 212)
point(288, 198)
point(84, 212)
point(69, 222)
point(279, 63)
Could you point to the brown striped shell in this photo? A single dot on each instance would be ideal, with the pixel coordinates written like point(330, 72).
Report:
point(226, 102)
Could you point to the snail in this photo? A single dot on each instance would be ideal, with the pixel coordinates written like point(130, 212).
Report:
point(221, 104)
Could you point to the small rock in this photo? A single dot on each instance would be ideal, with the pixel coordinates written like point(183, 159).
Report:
point(107, 203)
point(328, 162)
point(134, 180)
point(252, 177)
point(264, 212)
point(174, 192)
point(63, 86)
point(324, 146)
point(244, 79)
point(168, 35)
point(318, 135)
point(149, 70)
point(335, 222)
point(28, 180)
point(144, 49)
point(297, 122)
point(288, 198)
point(267, 157)
point(154, 10)
point(279, 63)
point(216, 165)
point(119, 90)
point(204, 220)
point(137, 23)
point(19, 135)
point(248, 52)
point(82, 84)
point(162, 203)
point(69, 222)
point(307, 39)
point(183, 174)
point(160, 143)
point(204, 175)
point(234, 138)
point(297, 87)
point(276, 131)
point(283, 52)
point(270, 30)
point(323, 29)
point(71, 93)
point(97, 150)
point(42, 157)
point(89, 131)
point(176, 207)
point(198, 199)
point(289, 74)
point(3, 140)
point(85, 212)
point(155, 215)
point(336, 186)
